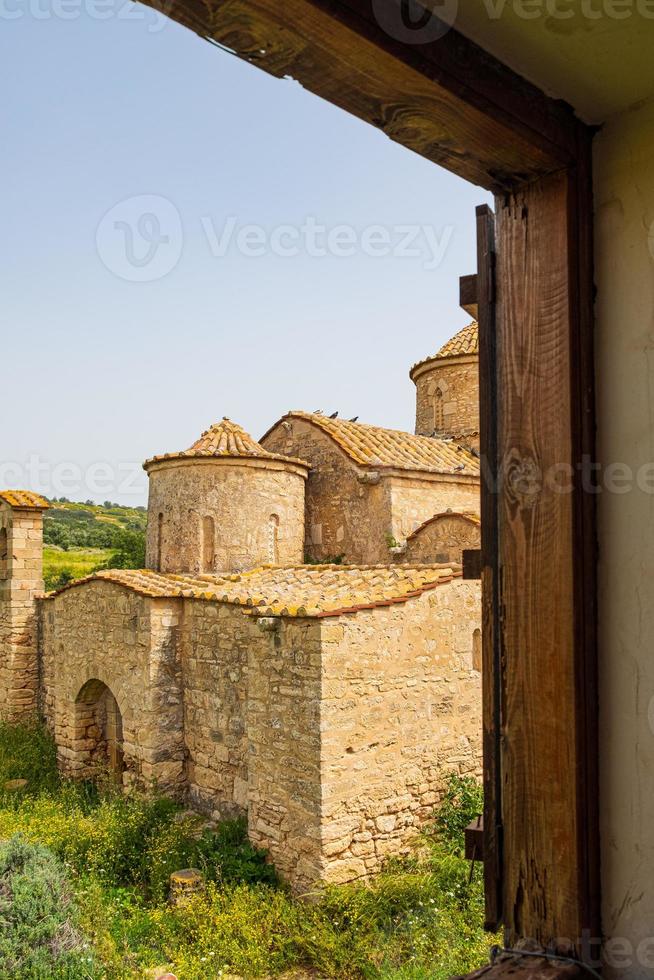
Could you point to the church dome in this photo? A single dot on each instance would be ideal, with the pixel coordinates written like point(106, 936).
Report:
point(224, 504)
point(466, 341)
point(447, 389)
point(223, 440)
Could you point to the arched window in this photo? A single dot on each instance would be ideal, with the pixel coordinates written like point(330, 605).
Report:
point(439, 416)
point(4, 554)
point(159, 540)
point(476, 650)
point(273, 539)
point(208, 545)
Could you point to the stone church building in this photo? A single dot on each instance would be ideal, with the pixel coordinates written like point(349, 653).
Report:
point(301, 648)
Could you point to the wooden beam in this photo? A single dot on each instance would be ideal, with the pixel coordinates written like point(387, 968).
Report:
point(474, 840)
point(549, 792)
point(472, 563)
point(468, 295)
point(448, 100)
point(492, 677)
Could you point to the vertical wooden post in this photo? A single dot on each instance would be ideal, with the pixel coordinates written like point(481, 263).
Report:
point(491, 656)
point(550, 828)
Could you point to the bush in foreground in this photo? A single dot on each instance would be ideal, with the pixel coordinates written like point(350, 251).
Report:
point(38, 937)
point(419, 919)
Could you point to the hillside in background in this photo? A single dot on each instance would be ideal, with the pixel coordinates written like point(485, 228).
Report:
point(81, 538)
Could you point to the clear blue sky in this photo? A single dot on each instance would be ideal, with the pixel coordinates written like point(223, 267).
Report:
point(110, 104)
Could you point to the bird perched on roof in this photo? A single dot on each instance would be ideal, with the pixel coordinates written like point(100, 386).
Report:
point(334, 416)
point(355, 419)
point(461, 466)
point(317, 411)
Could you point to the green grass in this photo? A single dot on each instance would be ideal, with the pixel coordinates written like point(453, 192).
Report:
point(111, 855)
point(61, 566)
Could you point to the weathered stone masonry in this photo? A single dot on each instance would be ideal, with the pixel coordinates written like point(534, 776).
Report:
point(325, 703)
point(21, 581)
point(369, 488)
point(330, 732)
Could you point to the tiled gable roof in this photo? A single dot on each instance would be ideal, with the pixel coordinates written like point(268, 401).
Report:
point(224, 440)
point(377, 448)
point(465, 342)
point(315, 591)
point(24, 500)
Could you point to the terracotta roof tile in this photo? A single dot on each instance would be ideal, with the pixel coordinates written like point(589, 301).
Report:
point(377, 448)
point(463, 343)
point(224, 440)
point(24, 500)
point(315, 591)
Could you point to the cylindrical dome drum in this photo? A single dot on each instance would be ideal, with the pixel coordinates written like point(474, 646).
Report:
point(224, 505)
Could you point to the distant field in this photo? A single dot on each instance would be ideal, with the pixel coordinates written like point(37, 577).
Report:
point(80, 538)
point(75, 563)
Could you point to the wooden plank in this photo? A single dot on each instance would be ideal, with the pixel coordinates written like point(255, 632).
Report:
point(472, 563)
point(585, 547)
point(545, 878)
point(492, 680)
point(468, 295)
point(429, 97)
point(474, 840)
point(528, 967)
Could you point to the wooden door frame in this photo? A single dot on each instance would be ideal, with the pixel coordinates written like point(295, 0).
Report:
point(458, 106)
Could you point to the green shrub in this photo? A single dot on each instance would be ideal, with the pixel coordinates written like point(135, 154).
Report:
point(420, 918)
point(27, 752)
point(38, 935)
point(462, 802)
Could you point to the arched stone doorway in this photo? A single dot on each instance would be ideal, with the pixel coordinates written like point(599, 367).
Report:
point(98, 730)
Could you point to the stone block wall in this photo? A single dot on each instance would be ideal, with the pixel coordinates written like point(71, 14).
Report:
point(99, 637)
point(400, 708)
point(443, 539)
point(345, 514)
point(457, 378)
point(207, 516)
point(414, 501)
point(21, 581)
point(216, 643)
point(356, 513)
point(332, 735)
point(285, 739)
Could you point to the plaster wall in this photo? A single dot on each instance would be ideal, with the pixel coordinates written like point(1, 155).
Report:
point(624, 198)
